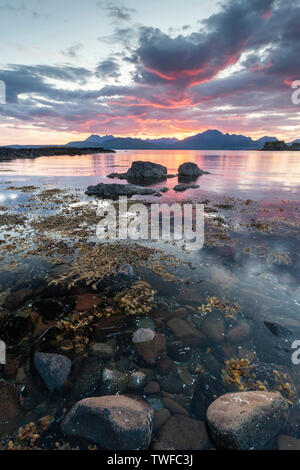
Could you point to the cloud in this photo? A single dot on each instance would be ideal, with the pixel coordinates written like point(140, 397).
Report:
point(117, 11)
point(72, 51)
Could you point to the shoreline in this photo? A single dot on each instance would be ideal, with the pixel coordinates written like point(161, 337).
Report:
point(10, 153)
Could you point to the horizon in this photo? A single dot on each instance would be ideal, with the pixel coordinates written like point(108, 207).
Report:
point(120, 68)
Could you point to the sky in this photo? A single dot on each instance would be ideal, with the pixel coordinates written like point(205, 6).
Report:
point(148, 68)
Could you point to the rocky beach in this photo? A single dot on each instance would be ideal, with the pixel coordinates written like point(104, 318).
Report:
point(126, 345)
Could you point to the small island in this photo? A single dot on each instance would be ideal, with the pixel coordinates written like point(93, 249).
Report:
point(281, 145)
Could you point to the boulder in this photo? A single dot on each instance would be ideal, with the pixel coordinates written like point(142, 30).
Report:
point(189, 169)
point(246, 420)
point(112, 422)
point(182, 433)
point(53, 368)
point(146, 172)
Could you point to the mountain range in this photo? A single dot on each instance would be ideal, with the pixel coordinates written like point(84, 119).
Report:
point(208, 140)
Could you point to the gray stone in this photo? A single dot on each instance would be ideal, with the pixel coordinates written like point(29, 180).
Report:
point(102, 350)
point(53, 368)
point(184, 187)
point(110, 191)
point(189, 169)
point(137, 380)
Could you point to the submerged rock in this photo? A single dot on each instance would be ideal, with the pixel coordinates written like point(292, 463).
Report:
point(137, 380)
point(184, 187)
point(246, 420)
point(10, 409)
point(53, 368)
point(182, 433)
point(279, 330)
point(149, 346)
point(185, 332)
point(113, 381)
point(114, 190)
point(112, 422)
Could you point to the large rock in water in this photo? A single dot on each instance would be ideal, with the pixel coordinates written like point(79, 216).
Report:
point(113, 422)
point(246, 420)
point(114, 190)
point(53, 368)
point(146, 172)
point(190, 169)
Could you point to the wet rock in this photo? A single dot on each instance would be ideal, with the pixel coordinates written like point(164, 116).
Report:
point(288, 443)
point(146, 172)
point(238, 333)
point(213, 327)
point(149, 349)
point(156, 403)
point(11, 367)
point(185, 332)
point(113, 381)
point(112, 422)
point(184, 187)
point(178, 351)
point(87, 302)
point(53, 368)
point(246, 420)
point(171, 384)
point(182, 433)
point(49, 308)
point(107, 327)
point(152, 388)
point(10, 409)
point(160, 418)
point(17, 298)
point(279, 330)
point(102, 350)
point(165, 366)
point(88, 378)
point(137, 380)
point(145, 322)
point(111, 191)
point(189, 169)
point(174, 407)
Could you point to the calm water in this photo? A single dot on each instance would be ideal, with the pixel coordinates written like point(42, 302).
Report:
point(247, 174)
point(247, 272)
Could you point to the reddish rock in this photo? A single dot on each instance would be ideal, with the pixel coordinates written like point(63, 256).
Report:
point(87, 302)
point(182, 433)
point(246, 420)
point(151, 351)
point(112, 422)
point(10, 409)
point(185, 332)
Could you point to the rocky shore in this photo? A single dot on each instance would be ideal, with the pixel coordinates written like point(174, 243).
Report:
point(10, 153)
point(121, 346)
